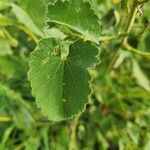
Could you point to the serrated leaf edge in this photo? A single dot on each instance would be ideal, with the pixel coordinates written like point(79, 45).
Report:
point(91, 37)
point(88, 97)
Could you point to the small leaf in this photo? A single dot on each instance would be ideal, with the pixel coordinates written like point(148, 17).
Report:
point(133, 132)
point(61, 85)
point(142, 79)
point(75, 15)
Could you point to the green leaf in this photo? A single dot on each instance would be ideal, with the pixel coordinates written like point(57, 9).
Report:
point(3, 5)
point(147, 146)
point(77, 16)
point(144, 43)
point(5, 47)
point(61, 85)
point(6, 137)
point(133, 132)
point(16, 106)
point(55, 33)
point(25, 19)
point(36, 9)
point(32, 143)
point(4, 21)
point(139, 75)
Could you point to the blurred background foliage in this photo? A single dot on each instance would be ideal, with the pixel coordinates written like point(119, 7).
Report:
point(118, 115)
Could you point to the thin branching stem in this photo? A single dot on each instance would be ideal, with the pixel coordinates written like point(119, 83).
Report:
point(139, 52)
point(131, 19)
point(142, 2)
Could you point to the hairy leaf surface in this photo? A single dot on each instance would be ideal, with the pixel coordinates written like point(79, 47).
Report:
point(61, 85)
point(76, 15)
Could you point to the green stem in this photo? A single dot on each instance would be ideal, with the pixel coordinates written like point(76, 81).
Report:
point(73, 141)
point(130, 48)
point(131, 16)
point(5, 119)
point(112, 63)
point(70, 33)
point(29, 33)
point(142, 2)
point(128, 28)
point(131, 19)
point(109, 38)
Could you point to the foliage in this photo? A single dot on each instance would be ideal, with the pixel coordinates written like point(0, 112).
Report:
point(87, 65)
point(57, 81)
